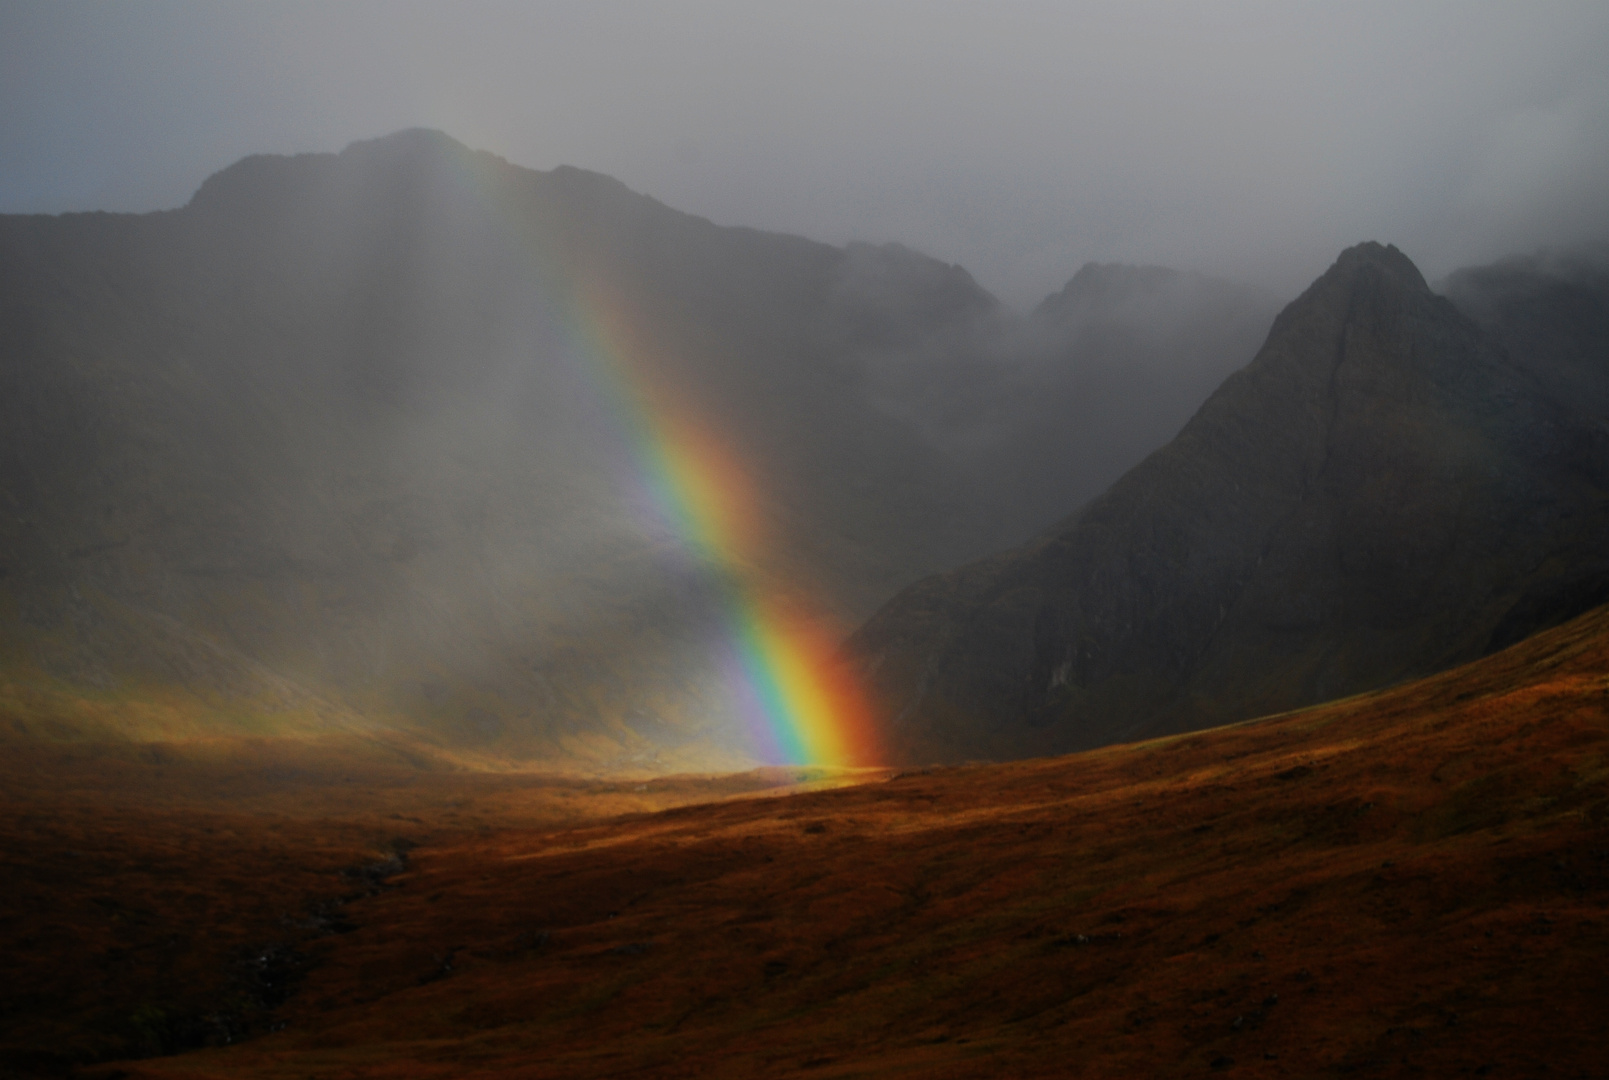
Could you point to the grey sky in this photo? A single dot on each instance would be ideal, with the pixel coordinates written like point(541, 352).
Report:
point(1020, 140)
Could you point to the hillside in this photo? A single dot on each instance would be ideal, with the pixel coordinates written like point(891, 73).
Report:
point(1406, 883)
point(1386, 490)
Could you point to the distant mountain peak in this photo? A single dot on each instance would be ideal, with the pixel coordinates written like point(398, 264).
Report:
point(268, 179)
point(887, 290)
point(1102, 283)
point(1094, 277)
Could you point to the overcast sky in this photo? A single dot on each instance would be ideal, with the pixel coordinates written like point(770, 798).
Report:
point(1020, 140)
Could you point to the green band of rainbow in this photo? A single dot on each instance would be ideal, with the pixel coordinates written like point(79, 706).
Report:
point(800, 705)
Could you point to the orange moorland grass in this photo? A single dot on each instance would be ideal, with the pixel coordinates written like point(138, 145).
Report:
point(1411, 882)
point(168, 895)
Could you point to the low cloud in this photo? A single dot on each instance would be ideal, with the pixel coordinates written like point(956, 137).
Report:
point(1251, 140)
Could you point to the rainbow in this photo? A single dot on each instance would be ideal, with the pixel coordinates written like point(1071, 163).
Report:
point(801, 709)
point(799, 706)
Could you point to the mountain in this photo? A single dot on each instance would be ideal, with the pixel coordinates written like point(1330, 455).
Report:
point(384, 438)
point(1046, 412)
point(1386, 490)
point(1118, 362)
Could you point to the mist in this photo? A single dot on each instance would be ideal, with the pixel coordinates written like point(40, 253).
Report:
point(377, 417)
point(410, 435)
point(1250, 141)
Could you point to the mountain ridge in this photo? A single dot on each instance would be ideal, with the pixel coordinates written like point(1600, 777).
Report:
point(342, 419)
point(1350, 509)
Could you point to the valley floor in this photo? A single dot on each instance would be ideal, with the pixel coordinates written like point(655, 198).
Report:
point(1414, 882)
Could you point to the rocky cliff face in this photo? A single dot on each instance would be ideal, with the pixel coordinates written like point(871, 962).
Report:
point(1382, 492)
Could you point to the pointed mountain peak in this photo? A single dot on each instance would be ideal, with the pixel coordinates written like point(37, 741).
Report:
point(1373, 285)
point(1384, 260)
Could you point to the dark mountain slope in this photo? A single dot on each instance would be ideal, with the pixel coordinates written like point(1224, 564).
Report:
point(1551, 312)
point(1381, 493)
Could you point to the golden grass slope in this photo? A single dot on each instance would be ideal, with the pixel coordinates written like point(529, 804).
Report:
point(1412, 882)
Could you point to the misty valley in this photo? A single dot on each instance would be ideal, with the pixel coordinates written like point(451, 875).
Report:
point(464, 620)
